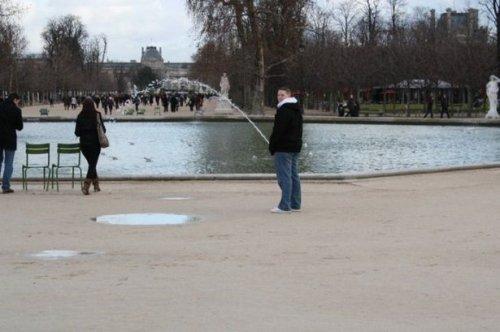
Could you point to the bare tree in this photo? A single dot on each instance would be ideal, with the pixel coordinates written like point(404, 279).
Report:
point(370, 22)
point(95, 53)
point(64, 40)
point(492, 8)
point(9, 9)
point(12, 44)
point(396, 12)
point(406, 49)
point(345, 16)
point(243, 24)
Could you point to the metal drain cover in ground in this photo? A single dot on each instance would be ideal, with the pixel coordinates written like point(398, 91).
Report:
point(61, 254)
point(175, 198)
point(145, 219)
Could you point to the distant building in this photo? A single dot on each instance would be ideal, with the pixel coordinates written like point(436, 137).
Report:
point(461, 25)
point(122, 72)
point(151, 57)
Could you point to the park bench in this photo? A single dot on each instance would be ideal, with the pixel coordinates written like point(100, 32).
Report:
point(44, 111)
point(141, 111)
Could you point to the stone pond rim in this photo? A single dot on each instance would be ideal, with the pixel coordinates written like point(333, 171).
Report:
point(304, 176)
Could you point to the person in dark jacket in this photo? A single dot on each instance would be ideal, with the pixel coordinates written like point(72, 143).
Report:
point(199, 103)
point(285, 145)
point(97, 101)
point(174, 102)
point(104, 103)
point(86, 129)
point(111, 103)
point(11, 119)
point(192, 101)
point(444, 105)
point(137, 102)
point(429, 103)
point(352, 107)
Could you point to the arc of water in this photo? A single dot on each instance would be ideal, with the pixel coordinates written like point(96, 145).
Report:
point(179, 82)
point(238, 109)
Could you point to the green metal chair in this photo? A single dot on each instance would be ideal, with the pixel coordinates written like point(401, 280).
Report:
point(67, 149)
point(37, 149)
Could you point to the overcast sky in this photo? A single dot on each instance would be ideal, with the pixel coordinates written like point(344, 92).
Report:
point(132, 24)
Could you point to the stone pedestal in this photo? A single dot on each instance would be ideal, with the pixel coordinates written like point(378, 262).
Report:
point(223, 107)
point(492, 114)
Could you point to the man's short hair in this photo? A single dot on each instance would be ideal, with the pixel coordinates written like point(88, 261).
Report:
point(287, 89)
point(14, 96)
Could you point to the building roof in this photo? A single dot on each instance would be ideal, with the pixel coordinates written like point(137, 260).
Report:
point(151, 55)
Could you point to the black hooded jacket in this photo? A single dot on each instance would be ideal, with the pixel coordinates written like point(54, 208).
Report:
point(11, 119)
point(287, 130)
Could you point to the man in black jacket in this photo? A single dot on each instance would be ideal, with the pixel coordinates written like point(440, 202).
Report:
point(10, 120)
point(444, 105)
point(429, 102)
point(173, 103)
point(285, 145)
point(353, 107)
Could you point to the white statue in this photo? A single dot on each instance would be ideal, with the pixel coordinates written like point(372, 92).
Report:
point(135, 91)
point(224, 106)
point(224, 85)
point(492, 93)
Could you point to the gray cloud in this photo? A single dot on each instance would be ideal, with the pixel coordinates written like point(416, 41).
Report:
point(128, 24)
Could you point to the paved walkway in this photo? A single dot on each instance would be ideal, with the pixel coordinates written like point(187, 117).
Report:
point(410, 253)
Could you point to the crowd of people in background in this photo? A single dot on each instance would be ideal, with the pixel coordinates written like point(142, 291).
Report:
point(170, 101)
point(348, 108)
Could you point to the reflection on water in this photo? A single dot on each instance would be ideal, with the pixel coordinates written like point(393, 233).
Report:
point(160, 149)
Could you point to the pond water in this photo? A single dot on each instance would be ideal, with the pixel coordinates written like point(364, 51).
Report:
point(184, 148)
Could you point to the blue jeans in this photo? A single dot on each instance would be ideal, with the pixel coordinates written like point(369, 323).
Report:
point(8, 157)
point(287, 172)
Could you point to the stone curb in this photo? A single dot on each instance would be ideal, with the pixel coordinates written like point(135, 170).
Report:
point(304, 176)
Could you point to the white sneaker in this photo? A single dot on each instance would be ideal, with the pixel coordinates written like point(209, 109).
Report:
point(278, 210)
point(296, 210)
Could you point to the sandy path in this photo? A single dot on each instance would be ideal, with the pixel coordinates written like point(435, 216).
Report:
point(58, 111)
point(408, 253)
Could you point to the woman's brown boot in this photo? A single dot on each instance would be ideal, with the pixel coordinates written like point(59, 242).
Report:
point(96, 185)
point(86, 186)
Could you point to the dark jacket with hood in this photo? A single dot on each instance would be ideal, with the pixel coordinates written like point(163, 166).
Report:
point(11, 119)
point(287, 130)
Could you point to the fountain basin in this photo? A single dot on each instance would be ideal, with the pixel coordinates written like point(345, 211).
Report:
point(188, 148)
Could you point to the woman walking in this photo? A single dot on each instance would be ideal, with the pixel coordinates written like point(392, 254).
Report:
point(86, 128)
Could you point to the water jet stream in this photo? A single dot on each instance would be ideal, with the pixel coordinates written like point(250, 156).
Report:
point(179, 84)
